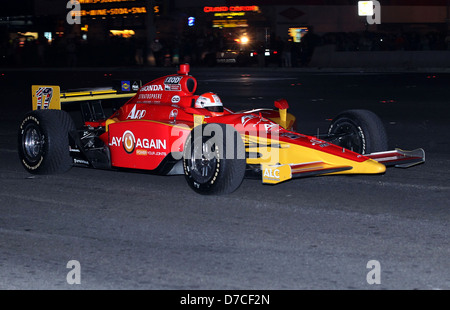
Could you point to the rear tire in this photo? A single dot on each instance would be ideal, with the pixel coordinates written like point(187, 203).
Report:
point(214, 159)
point(361, 131)
point(43, 141)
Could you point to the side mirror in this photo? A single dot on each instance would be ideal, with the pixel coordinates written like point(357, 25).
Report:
point(281, 104)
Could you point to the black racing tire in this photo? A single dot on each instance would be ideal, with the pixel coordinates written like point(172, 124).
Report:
point(361, 131)
point(214, 159)
point(43, 141)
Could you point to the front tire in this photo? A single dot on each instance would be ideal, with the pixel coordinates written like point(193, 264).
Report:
point(361, 131)
point(43, 141)
point(214, 159)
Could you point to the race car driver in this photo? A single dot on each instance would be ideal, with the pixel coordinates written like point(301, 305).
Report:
point(211, 102)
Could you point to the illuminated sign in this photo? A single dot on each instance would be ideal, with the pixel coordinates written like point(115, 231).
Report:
point(214, 9)
point(104, 8)
point(103, 1)
point(191, 21)
point(298, 33)
point(123, 33)
point(114, 11)
point(229, 15)
point(229, 23)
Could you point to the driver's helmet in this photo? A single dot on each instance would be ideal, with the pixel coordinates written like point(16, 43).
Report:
point(209, 101)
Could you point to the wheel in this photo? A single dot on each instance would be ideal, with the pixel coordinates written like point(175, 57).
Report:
point(361, 131)
point(214, 159)
point(43, 141)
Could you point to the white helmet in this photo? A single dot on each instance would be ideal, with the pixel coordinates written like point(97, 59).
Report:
point(209, 101)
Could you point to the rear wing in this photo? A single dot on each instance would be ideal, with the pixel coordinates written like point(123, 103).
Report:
point(51, 96)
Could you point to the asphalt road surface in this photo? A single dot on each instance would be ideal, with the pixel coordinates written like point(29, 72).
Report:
point(96, 229)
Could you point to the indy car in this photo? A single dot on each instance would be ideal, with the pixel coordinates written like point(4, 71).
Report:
point(164, 128)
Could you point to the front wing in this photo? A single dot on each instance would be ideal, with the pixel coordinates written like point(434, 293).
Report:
point(399, 158)
point(273, 174)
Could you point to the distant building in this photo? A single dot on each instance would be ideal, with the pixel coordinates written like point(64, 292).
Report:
point(172, 20)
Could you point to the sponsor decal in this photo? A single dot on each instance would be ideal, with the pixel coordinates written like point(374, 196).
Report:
point(319, 143)
point(151, 143)
point(291, 135)
point(135, 86)
point(272, 173)
point(44, 96)
point(175, 99)
point(141, 152)
point(269, 127)
point(32, 118)
point(115, 141)
point(142, 146)
point(80, 161)
point(150, 96)
point(129, 141)
point(172, 80)
point(173, 114)
point(136, 114)
point(276, 174)
point(172, 83)
point(155, 87)
point(156, 153)
point(172, 87)
point(246, 118)
point(144, 152)
point(74, 150)
point(125, 85)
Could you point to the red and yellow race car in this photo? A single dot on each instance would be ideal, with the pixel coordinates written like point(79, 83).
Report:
point(165, 128)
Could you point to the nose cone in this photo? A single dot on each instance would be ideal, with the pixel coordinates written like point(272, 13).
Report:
point(370, 166)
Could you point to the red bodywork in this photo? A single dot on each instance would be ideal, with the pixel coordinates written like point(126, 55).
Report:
point(159, 118)
point(156, 122)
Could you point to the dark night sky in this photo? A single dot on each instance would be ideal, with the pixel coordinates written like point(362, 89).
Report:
point(334, 2)
point(17, 7)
